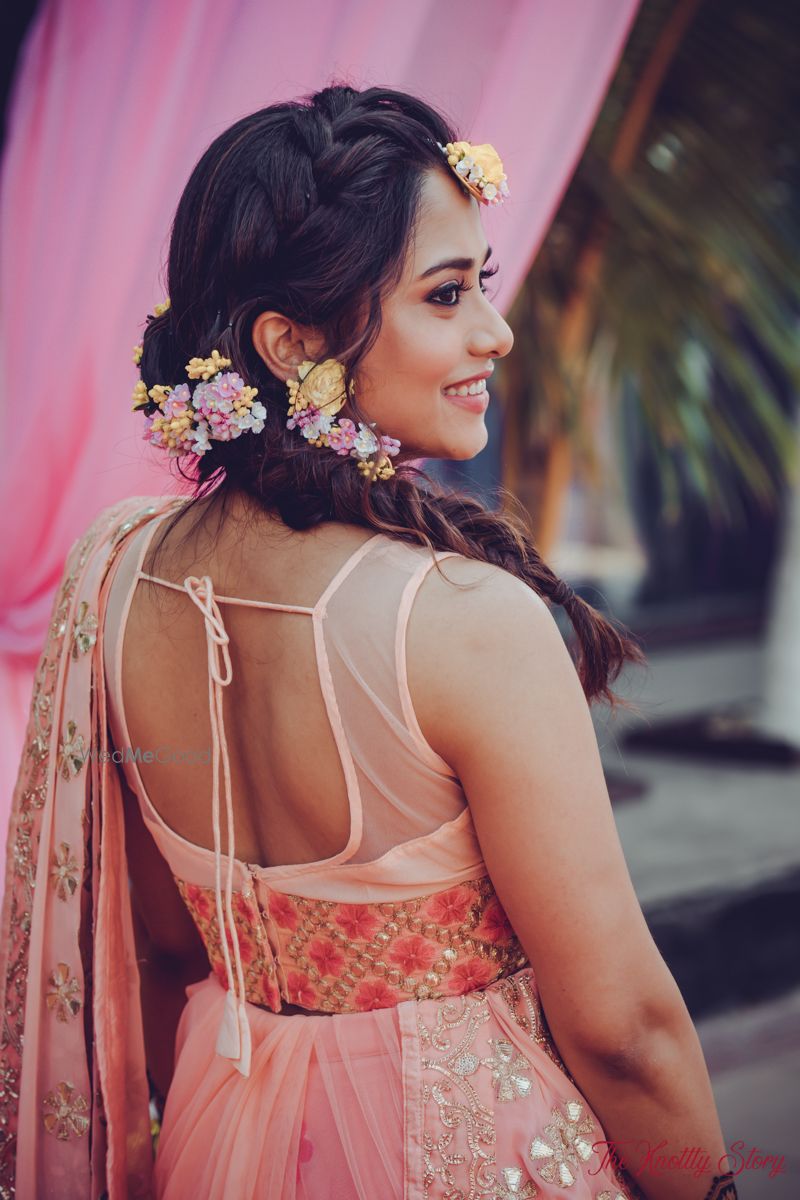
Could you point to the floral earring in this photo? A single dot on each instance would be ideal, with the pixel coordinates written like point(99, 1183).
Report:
point(315, 397)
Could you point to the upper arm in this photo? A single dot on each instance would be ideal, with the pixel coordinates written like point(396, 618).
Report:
point(497, 695)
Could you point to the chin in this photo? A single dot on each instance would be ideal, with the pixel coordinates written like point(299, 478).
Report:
point(468, 447)
point(460, 450)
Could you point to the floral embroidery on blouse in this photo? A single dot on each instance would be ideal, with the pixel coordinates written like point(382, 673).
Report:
point(337, 957)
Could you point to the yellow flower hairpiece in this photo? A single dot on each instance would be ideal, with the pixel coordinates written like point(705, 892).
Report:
point(479, 168)
point(204, 368)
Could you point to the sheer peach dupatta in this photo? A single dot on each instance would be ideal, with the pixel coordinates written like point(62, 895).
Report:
point(74, 1097)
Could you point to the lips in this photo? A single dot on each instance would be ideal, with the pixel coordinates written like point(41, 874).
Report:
point(467, 382)
point(477, 403)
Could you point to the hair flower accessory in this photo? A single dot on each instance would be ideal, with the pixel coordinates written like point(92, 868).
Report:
point(479, 168)
point(314, 398)
point(217, 405)
point(182, 420)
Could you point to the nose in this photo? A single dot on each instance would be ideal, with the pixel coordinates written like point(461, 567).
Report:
point(493, 338)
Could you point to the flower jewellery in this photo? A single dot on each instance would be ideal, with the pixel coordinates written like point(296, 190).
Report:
point(182, 420)
point(315, 397)
point(479, 168)
point(221, 406)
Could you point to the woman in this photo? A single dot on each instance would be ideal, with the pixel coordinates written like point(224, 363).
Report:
point(395, 810)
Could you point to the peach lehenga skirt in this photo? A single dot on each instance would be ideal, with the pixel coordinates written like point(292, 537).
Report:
point(462, 1097)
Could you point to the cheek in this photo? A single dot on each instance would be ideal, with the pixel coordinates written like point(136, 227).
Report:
point(431, 351)
point(416, 354)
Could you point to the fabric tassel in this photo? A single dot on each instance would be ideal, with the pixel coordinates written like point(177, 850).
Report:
point(229, 1038)
point(243, 1062)
point(234, 1040)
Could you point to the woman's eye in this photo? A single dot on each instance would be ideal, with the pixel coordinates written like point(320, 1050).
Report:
point(449, 295)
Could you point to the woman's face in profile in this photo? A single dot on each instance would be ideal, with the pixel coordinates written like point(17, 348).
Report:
point(438, 329)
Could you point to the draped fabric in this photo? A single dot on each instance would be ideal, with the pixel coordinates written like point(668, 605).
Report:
point(73, 1089)
point(112, 106)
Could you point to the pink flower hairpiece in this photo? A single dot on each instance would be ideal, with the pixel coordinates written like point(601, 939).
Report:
point(184, 420)
point(314, 398)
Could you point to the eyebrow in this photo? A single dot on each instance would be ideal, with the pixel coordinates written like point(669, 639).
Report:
point(455, 264)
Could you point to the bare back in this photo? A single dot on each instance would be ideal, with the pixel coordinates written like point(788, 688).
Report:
point(290, 753)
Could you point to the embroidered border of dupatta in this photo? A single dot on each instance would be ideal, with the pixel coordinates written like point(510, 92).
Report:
point(74, 1117)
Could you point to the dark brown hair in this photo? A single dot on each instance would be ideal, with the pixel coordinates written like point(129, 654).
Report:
point(309, 207)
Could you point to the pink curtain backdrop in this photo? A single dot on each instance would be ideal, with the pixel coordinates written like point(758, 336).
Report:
point(112, 106)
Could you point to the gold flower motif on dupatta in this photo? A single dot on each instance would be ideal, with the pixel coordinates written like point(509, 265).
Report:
point(66, 1117)
point(63, 997)
point(64, 872)
point(84, 630)
point(71, 752)
point(25, 834)
point(563, 1144)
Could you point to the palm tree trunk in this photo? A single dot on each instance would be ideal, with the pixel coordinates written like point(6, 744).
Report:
point(578, 316)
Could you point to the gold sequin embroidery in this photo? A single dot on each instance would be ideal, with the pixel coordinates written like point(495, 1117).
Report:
point(512, 1187)
point(66, 1116)
point(64, 872)
point(339, 957)
point(563, 1143)
point(24, 837)
point(24, 833)
point(507, 1066)
point(63, 995)
point(522, 1000)
point(71, 752)
point(469, 1137)
point(84, 630)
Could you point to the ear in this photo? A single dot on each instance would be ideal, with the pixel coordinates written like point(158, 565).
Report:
point(283, 344)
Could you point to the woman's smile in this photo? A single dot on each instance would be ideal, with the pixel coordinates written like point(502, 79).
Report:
point(473, 396)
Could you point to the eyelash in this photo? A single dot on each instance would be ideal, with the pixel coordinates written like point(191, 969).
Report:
point(460, 286)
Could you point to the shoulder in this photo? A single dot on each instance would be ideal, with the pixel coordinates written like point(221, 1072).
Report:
point(479, 640)
point(471, 596)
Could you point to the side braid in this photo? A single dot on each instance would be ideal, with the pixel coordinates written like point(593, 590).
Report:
point(444, 521)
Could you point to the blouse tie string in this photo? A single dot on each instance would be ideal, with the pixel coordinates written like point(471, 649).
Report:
point(233, 1040)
